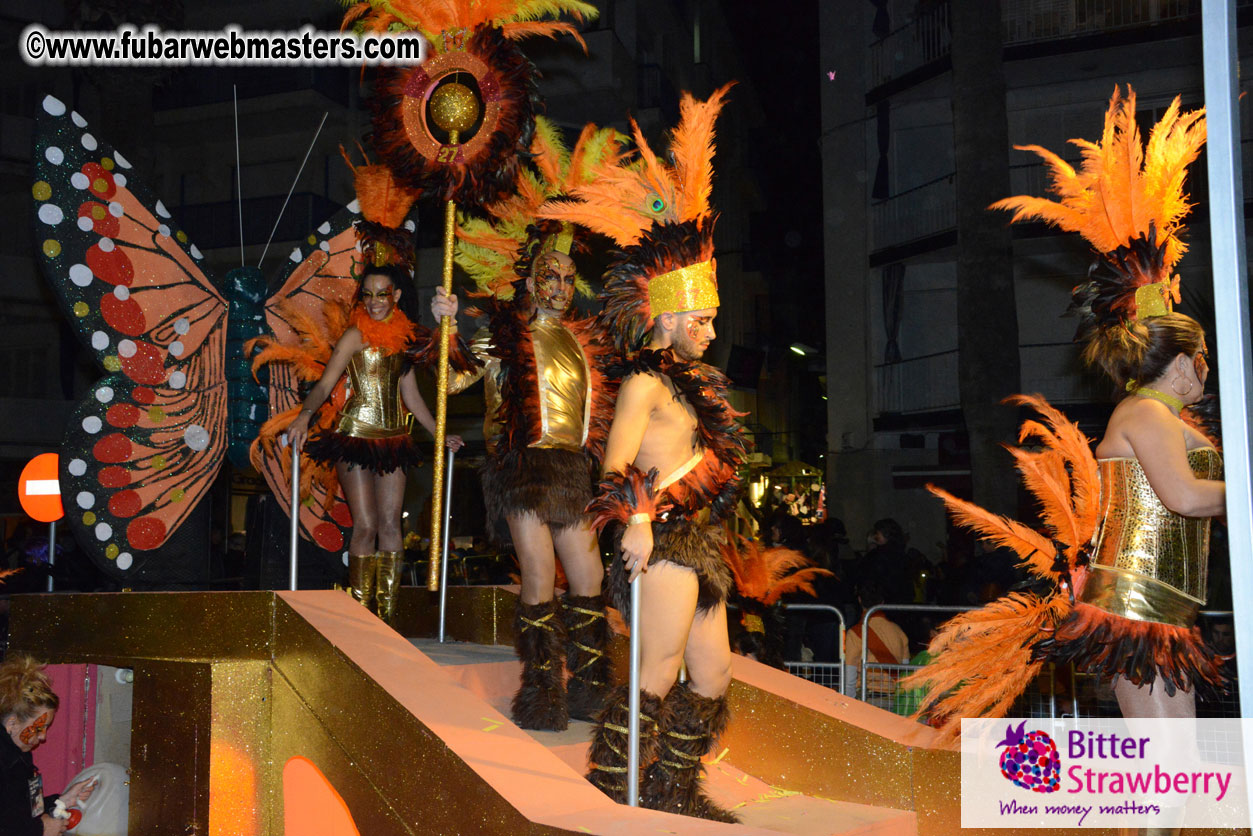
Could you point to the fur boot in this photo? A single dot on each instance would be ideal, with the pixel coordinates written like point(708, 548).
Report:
point(692, 726)
point(362, 574)
point(387, 588)
point(607, 757)
point(587, 634)
point(539, 637)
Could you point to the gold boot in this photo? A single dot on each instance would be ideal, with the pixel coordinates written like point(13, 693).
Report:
point(362, 570)
point(390, 565)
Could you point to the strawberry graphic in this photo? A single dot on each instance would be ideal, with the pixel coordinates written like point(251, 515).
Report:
point(1030, 759)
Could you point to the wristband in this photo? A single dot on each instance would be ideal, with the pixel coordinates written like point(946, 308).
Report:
point(639, 518)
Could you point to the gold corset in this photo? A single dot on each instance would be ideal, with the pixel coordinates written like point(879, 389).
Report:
point(562, 375)
point(1149, 563)
point(375, 409)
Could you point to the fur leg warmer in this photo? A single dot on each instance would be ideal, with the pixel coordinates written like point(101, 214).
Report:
point(607, 757)
point(541, 701)
point(692, 726)
point(587, 632)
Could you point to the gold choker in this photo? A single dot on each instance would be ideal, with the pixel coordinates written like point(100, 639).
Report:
point(1170, 400)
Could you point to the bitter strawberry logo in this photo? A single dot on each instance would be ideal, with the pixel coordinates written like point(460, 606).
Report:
point(1030, 759)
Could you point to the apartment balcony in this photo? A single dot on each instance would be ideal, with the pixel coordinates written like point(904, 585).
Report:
point(921, 46)
point(915, 214)
point(923, 41)
point(930, 383)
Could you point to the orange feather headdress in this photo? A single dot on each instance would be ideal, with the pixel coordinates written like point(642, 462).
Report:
point(384, 205)
point(1128, 201)
point(658, 214)
point(498, 250)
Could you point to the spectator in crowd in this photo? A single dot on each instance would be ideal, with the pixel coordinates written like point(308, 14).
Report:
point(889, 563)
point(28, 707)
point(886, 644)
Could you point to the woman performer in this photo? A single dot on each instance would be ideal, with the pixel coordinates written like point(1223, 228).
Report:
point(370, 446)
point(1128, 532)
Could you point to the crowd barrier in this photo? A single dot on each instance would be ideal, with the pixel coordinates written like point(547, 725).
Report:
point(1058, 691)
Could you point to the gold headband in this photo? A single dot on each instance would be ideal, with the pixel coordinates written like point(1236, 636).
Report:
point(561, 241)
point(690, 288)
point(1153, 299)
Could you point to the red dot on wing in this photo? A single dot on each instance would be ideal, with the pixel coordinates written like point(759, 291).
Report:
point(143, 395)
point(341, 514)
point(125, 503)
point(114, 266)
point(122, 415)
point(99, 181)
point(102, 221)
point(113, 448)
point(328, 536)
point(145, 533)
point(124, 315)
point(145, 365)
point(113, 477)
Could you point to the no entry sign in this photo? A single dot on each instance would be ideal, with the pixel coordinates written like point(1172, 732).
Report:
point(39, 489)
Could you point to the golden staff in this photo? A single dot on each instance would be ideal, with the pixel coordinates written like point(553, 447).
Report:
point(454, 108)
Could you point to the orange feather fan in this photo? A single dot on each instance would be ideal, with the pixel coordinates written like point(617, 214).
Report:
point(1122, 191)
point(766, 575)
point(308, 359)
point(983, 660)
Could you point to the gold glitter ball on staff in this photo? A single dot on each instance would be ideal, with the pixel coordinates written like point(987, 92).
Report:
point(454, 107)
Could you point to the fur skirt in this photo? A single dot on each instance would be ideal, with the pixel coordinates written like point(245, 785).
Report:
point(554, 485)
point(381, 455)
point(1144, 652)
point(695, 545)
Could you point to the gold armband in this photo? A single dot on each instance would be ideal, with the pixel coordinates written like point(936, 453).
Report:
point(639, 518)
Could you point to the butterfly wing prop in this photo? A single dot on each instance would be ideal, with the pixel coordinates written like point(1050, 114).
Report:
point(145, 444)
point(319, 271)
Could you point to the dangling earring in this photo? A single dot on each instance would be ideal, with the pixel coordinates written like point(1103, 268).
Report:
point(1185, 392)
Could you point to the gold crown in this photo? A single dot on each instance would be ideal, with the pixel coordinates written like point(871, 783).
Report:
point(1153, 299)
point(690, 288)
point(561, 241)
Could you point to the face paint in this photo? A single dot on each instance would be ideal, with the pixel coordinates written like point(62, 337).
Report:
point(32, 731)
point(694, 328)
point(378, 297)
point(554, 284)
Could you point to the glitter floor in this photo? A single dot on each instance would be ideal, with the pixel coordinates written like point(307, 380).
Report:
point(491, 672)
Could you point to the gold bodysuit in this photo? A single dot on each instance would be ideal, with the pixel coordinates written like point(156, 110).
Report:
point(562, 376)
point(1149, 563)
point(375, 409)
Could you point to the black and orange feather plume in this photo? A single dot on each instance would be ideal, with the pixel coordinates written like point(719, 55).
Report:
point(982, 660)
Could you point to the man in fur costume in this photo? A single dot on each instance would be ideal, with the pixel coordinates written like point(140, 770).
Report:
point(670, 461)
point(549, 403)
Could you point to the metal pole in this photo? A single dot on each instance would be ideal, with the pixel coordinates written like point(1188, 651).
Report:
point(1231, 309)
point(443, 563)
point(52, 550)
point(633, 702)
point(295, 515)
point(441, 391)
